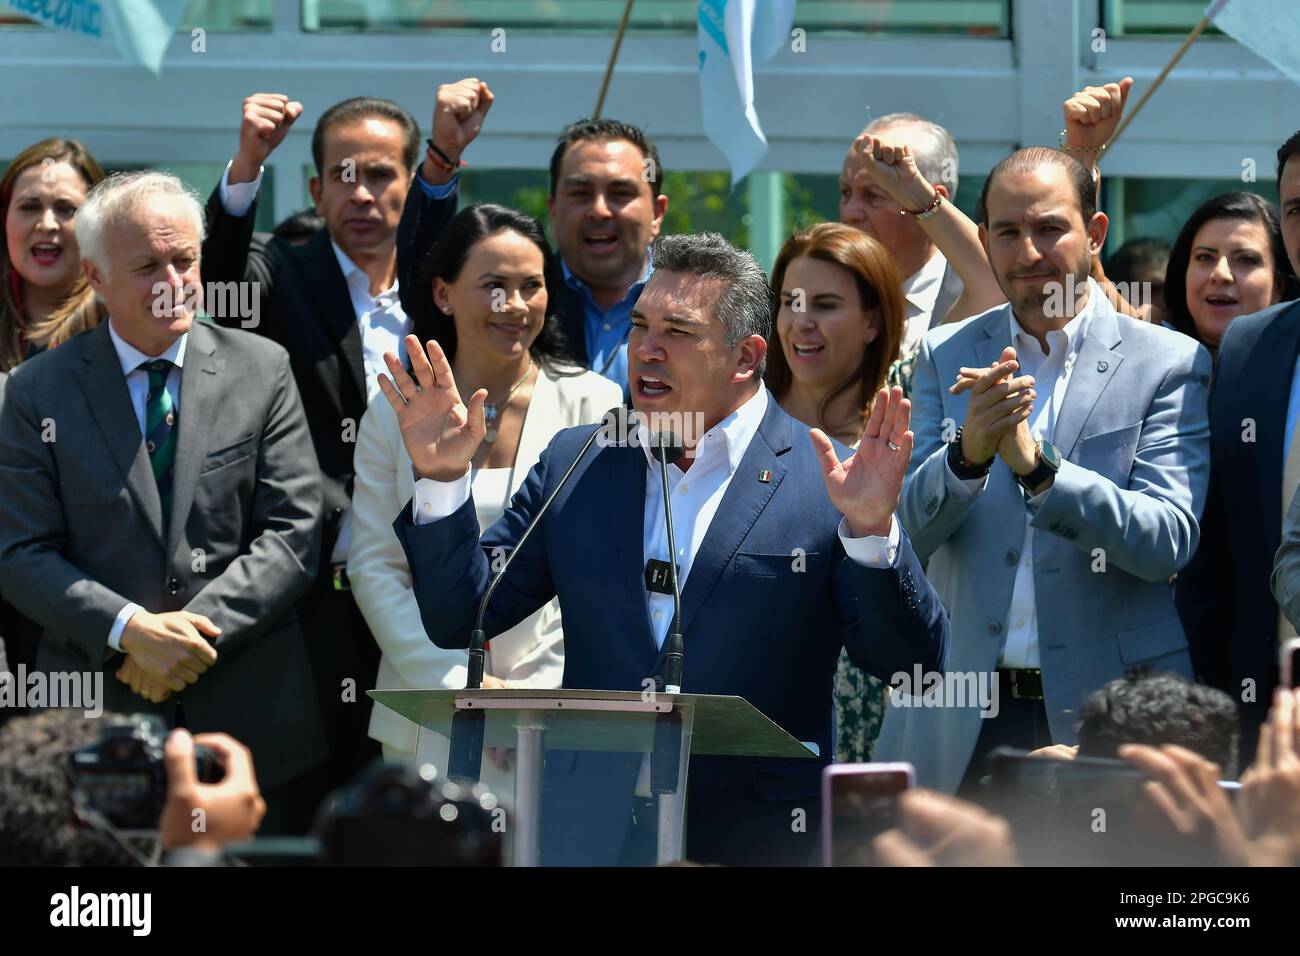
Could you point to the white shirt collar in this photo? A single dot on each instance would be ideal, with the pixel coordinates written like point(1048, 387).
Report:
point(731, 435)
point(131, 358)
point(350, 269)
point(1072, 334)
point(921, 288)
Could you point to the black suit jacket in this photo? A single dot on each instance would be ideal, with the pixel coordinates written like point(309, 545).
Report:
point(82, 530)
point(305, 306)
point(1223, 594)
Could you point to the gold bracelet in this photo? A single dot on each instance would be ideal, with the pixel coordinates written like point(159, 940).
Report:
point(1060, 144)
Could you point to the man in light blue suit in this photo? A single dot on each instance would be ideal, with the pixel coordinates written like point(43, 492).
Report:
point(1055, 516)
point(787, 554)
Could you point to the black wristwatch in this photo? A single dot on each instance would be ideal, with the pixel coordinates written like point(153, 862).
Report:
point(961, 466)
point(1049, 463)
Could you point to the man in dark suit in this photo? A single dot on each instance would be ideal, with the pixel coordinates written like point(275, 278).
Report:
point(1232, 620)
point(754, 495)
point(333, 304)
point(161, 499)
point(605, 208)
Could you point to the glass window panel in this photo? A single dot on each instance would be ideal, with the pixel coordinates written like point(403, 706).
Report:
point(974, 17)
point(217, 15)
point(1147, 17)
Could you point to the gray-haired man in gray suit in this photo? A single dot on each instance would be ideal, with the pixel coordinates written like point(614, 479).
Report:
point(1055, 517)
point(160, 498)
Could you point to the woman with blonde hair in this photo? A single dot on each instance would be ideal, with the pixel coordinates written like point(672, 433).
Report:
point(840, 319)
point(44, 299)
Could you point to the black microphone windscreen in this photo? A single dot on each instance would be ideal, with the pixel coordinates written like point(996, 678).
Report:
point(668, 446)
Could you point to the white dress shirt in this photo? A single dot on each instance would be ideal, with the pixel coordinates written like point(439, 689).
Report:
point(1051, 372)
point(380, 318)
point(920, 290)
point(137, 386)
point(697, 494)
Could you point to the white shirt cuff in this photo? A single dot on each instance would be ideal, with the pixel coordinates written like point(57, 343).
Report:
point(438, 499)
point(119, 625)
point(237, 198)
point(873, 551)
point(962, 489)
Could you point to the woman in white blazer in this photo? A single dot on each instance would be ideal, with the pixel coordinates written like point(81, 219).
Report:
point(484, 283)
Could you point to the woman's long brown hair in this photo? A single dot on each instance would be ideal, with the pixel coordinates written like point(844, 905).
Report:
point(879, 283)
point(79, 310)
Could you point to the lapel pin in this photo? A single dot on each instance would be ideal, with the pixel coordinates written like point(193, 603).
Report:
point(1102, 366)
point(764, 475)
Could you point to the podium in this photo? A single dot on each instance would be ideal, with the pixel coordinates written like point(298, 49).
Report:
point(586, 777)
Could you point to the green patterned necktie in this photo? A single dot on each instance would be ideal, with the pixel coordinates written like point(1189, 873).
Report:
point(160, 430)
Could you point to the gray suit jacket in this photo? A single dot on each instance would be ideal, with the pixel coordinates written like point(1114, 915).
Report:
point(82, 532)
point(1133, 434)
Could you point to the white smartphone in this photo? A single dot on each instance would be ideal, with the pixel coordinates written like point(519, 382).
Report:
point(859, 802)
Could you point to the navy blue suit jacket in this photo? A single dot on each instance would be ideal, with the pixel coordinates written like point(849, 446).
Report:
point(755, 623)
point(1223, 595)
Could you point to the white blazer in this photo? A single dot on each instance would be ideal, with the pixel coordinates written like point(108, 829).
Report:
point(531, 654)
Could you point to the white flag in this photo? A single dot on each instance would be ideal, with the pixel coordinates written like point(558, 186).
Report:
point(735, 36)
point(138, 29)
point(1269, 28)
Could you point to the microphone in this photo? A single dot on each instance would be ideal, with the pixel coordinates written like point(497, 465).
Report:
point(466, 755)
point(668, 449)
point(665, 758)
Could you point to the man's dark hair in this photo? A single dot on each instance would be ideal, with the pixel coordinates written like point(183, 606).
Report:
point(38, 824)
point(1031, 158)
point(1284, 152)
point(606, 131)
point(1160, 708)
point(300, 226)
point(361, 107)
point(1134, 257)
point(447, 258)
point(744, 307)
point(1240, 205)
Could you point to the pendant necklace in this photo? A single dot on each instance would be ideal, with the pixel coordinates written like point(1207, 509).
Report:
point(491, 412)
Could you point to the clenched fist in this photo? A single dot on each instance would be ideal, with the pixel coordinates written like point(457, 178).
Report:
point(266, 122)
point(458, 115)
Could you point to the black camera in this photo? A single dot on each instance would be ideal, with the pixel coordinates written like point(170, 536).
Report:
point(392, 815)
point(122, 775)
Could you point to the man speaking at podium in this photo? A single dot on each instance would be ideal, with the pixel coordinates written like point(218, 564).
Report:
point(785, 554)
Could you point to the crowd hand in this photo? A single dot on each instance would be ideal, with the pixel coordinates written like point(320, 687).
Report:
point(232, 809)
point(1056, 752)
point(440, 432)
point(458, 113)
point(1269, 800)
point(999, 403)
point(266, 122)
point(1183, 803)
point(865, 487)
point(141, 683)
point(172, 648)
point(893, 169)
point(938, 830)
point(1092, 115)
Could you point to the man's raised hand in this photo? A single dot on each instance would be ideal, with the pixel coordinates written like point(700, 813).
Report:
point(266, 122)
point(1092, 115)
point(865, 487)
point(441, 433)
point(458, 115)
